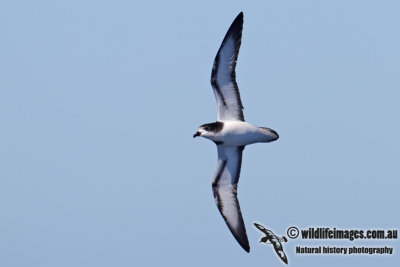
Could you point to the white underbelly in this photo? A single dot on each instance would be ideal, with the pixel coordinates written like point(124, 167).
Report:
point(241, 134)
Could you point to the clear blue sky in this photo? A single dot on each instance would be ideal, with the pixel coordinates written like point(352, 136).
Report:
point(99, 101)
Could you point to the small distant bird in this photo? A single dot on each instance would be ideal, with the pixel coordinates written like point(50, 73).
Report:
point(230, 132)
point(274, 240)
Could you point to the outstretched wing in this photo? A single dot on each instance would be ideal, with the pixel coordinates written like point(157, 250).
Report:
point(223, 76)
point(279, 250)
point(261, 228)
point(224, 188)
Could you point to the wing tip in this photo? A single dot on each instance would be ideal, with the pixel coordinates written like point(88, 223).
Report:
point(238, 231)
point(234, 31)
point(246, 246)
point(237, 23)
point(241, 238)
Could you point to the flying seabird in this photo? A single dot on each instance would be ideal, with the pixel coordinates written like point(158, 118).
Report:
point(274, 240)
point(230, 132)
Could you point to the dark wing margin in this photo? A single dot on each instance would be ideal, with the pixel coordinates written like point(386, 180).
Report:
point(224, 188)
point(223, 76)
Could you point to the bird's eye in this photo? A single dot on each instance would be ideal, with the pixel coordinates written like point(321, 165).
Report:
point(207, 128)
